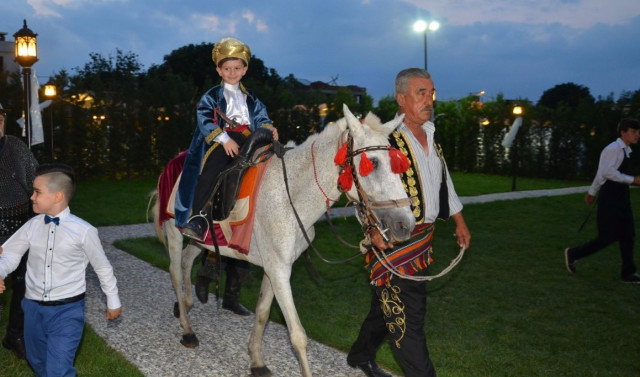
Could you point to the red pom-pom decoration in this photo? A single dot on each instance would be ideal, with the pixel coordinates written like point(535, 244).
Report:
point(399, 162)
point(345, 180)
point(366, 166)
point(341, 156)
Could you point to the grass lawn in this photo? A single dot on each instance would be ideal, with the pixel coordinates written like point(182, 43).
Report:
point(509, 309)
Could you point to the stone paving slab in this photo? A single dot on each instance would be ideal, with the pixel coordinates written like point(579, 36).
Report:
point(148, 334)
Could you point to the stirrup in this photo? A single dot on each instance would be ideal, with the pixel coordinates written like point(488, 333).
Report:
point(206, 230)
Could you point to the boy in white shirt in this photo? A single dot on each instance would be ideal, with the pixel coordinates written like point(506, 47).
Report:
point(61, 246)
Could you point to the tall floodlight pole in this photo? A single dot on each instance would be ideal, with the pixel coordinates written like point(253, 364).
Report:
point(421, 26)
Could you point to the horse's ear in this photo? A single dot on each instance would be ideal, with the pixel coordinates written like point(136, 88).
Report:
point(393, 124)
point(354, 124)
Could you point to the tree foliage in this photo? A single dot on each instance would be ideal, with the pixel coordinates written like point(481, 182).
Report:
point(112, 118)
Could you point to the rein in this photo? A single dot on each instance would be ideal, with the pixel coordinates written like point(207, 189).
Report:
point(279, 151)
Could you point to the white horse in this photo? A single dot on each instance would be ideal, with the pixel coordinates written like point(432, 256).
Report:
point(277, 240)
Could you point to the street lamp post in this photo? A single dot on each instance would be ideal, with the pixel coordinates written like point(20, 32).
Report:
point(517, 111)
point(50, 92)
point(421, 26)
point(26, 54)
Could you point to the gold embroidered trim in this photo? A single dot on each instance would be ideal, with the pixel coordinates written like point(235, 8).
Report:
point(410, 178)
point(206, 155)
point(212, 135)
point(393, 311)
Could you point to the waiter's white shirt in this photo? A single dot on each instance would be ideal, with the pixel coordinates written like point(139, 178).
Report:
point(611, 158)
point(58, 258)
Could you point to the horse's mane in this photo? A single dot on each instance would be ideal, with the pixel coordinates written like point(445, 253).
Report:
point(331, 131)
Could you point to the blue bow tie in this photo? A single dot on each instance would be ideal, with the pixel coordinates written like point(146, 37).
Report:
point(48, 219)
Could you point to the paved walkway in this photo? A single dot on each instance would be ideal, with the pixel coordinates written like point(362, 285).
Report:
point(148, 334)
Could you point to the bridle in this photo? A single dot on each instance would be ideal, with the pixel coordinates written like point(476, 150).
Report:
point(363, 204)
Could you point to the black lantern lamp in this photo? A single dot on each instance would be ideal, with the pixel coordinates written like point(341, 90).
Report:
point(26, 56)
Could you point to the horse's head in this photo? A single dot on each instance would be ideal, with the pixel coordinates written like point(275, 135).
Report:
point(374, 182)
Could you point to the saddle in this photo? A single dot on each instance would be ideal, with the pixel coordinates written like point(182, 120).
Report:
point(225, 193)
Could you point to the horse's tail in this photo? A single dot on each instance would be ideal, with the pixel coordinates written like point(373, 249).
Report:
point(154, 210)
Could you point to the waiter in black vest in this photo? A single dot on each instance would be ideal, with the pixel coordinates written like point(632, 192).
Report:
point(615, 218)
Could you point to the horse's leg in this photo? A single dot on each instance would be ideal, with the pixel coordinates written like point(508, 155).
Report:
point(174, 244)
point(189, 254)
point(281, 286)
point(263, 308)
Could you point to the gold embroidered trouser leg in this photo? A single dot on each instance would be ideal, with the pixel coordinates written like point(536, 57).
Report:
point(403, 307)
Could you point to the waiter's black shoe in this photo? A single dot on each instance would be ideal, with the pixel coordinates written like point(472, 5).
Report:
point(15, 345)
point(569, 262)
point(202, 288)
point(235, 307)
point(370, 369)
point(195, 228)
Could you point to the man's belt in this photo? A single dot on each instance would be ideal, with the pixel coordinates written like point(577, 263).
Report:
point(64, 301)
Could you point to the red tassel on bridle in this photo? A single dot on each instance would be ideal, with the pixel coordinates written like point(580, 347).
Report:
point(345, 180)
point(399, 162)
point(341, 156)
point(366, 166)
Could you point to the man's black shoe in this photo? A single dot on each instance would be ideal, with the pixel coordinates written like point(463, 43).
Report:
point(15, 345)
point(370, 369)
point(235, 307)
point(631, 279)
point(195, 228)
point(569, 262)
point(202, 288)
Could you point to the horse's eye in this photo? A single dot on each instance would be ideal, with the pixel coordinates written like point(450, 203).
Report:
point(374, 161)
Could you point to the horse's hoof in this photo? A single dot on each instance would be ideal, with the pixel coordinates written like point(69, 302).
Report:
point(190, 340)
point(176, 310)
point(261, 372)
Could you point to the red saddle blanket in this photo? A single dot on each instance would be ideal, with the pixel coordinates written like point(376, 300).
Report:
point(235, 231)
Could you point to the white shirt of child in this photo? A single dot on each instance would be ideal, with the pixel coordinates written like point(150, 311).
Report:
point(58, 258)
point(237, 108)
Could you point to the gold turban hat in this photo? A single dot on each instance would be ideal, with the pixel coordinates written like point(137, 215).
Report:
point(230, 48)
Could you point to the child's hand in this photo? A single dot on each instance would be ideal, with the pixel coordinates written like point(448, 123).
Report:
point(274, 131)
point(0, 249)
point(2, 287)
point(231, 148)
point(113, 313)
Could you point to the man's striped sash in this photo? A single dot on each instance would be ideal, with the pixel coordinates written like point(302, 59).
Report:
point(408, 259)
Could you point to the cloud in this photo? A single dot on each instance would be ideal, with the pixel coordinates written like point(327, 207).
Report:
point(261, 26)
point(47, 8)
point(575, 13)
point(251, 18)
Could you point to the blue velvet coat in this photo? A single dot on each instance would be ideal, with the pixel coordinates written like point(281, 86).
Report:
point(210, 125)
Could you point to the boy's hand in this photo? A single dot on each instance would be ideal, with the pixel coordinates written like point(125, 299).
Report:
point(0, 249)
point(274, 132)
point(113, 313)
point(231, 148)
point(589, 199)
point(2, 287)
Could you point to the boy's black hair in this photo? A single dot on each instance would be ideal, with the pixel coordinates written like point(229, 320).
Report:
point(627, 123)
